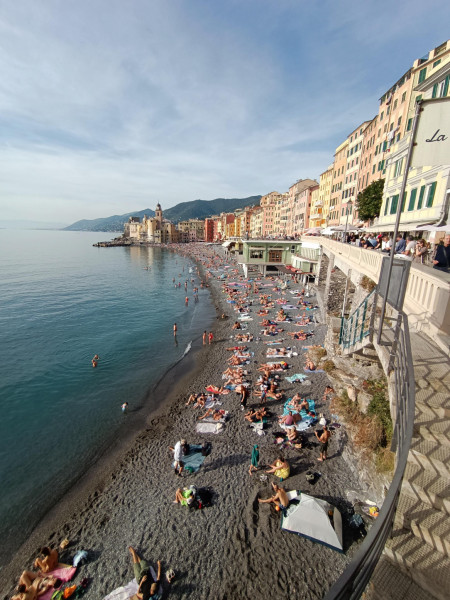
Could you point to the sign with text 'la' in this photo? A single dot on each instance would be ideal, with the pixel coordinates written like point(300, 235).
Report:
point(432, 140)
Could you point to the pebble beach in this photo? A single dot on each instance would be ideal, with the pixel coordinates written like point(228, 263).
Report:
point(235, 548)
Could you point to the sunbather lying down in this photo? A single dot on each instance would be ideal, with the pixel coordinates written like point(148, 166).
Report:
point(255, 415)
point(310, 365)
point(35, 586)
point(273, 366)
point(276, 351)
point(214, 389)
point(215, 413)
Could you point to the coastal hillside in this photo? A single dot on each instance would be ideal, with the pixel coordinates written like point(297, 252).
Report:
point(196, 209)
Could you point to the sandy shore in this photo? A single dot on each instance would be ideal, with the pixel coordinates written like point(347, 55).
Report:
point(232, 550)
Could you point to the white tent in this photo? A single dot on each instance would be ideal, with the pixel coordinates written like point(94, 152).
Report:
point(316, 520)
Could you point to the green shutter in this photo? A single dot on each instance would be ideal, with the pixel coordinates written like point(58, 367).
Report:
point(431, 194)
point(408, 127)
point(422, 192)
point(386, 206)
point(435, 89)
point(419, 98)
point(447, 80)
point(394, 204)
point(384, 146)
point(422, 75)
point(412, 199)
point(405, 195)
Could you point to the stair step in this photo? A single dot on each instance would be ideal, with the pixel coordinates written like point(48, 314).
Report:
point(389, 582)
point(426, 523)
point(428, 486)
point(433, 428)
point(430, 455)
point(427, 567)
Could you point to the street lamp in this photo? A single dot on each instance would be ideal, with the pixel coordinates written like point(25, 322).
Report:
point(349, 209)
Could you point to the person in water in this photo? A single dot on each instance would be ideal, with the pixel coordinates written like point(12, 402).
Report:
point(95, 360)
point(124, 406)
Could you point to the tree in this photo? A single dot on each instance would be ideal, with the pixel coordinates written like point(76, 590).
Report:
point(369, 200)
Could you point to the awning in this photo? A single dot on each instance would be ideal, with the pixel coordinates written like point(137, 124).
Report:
point(431, 227)
point(227, 243)
point(380, 228)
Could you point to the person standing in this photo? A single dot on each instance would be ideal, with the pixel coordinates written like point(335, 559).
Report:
point(323, 439)
point(175, 329)
point(205, 335)
point(441, 259)
point(254, 459)
point(210, 337)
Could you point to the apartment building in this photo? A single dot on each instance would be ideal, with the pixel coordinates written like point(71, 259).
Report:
point(337, 184)
point(325, 183)
point(350, 186)
point(426, 197)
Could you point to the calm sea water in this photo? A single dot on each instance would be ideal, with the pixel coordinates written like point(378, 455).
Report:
point(61, 302)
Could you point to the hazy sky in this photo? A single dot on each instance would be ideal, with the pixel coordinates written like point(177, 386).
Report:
point(110, 106)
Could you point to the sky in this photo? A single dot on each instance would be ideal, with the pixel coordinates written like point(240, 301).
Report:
point(110, 106)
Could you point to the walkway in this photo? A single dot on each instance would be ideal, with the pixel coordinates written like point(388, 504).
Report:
point(415, 564)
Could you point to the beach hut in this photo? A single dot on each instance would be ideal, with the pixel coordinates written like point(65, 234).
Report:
point(315, 519)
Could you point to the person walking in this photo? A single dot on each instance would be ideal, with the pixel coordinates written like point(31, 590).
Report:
point(254, 459)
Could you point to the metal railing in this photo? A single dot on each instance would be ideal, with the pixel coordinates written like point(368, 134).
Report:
point(356, 327)
point(353, 581)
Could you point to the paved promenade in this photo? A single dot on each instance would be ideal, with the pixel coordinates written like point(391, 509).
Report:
point(416, 562)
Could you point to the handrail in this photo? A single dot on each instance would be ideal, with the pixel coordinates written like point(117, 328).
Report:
point(353, 581)
point(357, 326)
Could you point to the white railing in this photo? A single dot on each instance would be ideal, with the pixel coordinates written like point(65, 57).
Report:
point(427, 299)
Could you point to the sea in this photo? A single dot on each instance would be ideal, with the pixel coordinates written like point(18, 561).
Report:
point(62, 301)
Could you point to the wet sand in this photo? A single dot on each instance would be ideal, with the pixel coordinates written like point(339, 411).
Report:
point(234, 549)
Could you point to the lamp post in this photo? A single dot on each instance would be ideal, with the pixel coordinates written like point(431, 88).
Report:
point(349, 206)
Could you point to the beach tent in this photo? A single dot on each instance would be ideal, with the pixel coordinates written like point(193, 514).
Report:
point(315, 519)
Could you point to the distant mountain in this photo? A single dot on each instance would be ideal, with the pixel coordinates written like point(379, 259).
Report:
point(196, 209)
point(114, 223)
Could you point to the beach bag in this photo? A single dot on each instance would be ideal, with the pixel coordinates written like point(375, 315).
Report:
point(206, 449)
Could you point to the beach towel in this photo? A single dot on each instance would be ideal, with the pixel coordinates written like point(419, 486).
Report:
point(301, 425)
point(125, 592)
point(194, 460)
point(297, 377)
point(288, 307)
point(315, 371)
point(63, 572)
point(245, 318)
point(209, 427)
point(288, 355)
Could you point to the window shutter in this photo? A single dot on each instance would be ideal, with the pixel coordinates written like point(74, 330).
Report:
point(431, 193)
point(422, 192)
point(412, 199)
point(447, 79)
point(386, 206)
point(435, 89)
point(405, 195)
point(394, 204)
point(408, 127)
point(422, 75)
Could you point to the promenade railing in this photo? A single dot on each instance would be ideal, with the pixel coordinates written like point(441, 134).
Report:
point(353, 581)
point(358, 325)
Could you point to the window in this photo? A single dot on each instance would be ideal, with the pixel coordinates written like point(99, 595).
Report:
point(388, 110)
point(391, 126)
point(395, 105)
point(379, 132)
point(430, 194)
point(399, 121)
point(398, 167)
point(443, 89)
point(384, 146)
point(408, 127)
point(403, 96)
point(436, 62)
point(421, 195)
point(382, 115)
point(256, 254)
point(394, 204)
point(412, 199)
point(418, 98)
point(275, 255)
point(422, 74)
point(373, 169)
point(435, 89)
point(386, 206)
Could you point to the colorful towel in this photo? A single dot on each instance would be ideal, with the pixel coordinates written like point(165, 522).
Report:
point(63, 572)
point(194, 459)
point(297, 377)
point(315, 371)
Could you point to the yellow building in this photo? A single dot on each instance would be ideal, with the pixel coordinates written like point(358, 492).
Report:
point(426, 198)
point(323, 202)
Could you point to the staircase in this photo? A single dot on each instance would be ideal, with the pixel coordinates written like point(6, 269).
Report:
point(416, 560)
point(355, 330)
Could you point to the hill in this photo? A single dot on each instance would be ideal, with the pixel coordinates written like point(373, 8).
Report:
point(196, 209)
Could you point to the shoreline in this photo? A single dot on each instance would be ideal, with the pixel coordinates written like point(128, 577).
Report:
point(126, 498)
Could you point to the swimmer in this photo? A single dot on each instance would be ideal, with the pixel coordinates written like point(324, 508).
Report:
point(175, 329)
point(186, 301)
point(124, 406)
point(94, 363)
